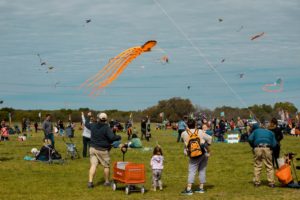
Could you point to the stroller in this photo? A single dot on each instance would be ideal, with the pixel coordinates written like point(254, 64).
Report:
point(71, 149)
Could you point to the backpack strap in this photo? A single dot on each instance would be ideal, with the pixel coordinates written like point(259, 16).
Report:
point(190, 132)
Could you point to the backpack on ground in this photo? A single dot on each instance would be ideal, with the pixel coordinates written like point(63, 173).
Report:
point(194, 144)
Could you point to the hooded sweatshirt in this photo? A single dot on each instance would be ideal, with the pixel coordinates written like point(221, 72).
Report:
point(101, 135)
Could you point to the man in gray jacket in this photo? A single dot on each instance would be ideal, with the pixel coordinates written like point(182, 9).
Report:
point(48, 129)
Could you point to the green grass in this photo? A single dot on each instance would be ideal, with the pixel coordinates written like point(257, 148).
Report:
point(229, 172)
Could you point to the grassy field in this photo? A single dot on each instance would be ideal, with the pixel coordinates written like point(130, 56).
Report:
point(229, 172)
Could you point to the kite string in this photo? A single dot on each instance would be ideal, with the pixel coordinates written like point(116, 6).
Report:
point(200, 53)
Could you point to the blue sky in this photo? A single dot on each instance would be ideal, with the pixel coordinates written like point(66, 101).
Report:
point(57, 31)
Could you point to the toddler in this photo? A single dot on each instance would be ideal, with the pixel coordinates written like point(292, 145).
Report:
point(157, 167)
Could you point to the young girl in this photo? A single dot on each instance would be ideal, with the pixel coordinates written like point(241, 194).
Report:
point(157, 166)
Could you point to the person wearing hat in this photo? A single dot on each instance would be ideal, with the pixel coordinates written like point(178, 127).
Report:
point(262, 141)
point(101, 139)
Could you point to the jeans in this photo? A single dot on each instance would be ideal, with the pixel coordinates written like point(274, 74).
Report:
point(179, 135)
point(50, 136)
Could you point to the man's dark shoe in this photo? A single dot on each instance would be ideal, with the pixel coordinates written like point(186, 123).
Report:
point(107, 184)
point(90, 185)
point(271, 185)
point(256, 184)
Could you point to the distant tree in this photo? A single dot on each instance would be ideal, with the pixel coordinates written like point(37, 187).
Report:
point(262, 112)
point(173, 109)
point(286, 106)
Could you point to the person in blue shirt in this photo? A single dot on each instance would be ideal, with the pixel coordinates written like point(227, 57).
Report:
point(262, 141)
point(181, 127)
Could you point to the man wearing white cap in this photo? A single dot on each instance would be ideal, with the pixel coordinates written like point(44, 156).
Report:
point(101, 139)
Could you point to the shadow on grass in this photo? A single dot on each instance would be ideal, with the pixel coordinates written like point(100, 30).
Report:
point(262, 183)
point(27, 145)
point(121, 187)
point(209, 186)
point(3, 159)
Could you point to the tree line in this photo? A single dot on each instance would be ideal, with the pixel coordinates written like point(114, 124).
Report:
point(172, 109)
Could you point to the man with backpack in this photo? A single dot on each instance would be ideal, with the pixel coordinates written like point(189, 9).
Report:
point(197, 148)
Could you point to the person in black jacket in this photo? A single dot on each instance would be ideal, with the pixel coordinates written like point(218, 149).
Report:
point(101, 139)
point(278, 136)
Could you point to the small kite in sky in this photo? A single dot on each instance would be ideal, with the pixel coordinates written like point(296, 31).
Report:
point(41, 61)
point(55, 85)
point(220, 20)
point(274, 87)
point(240, 29)
point(1, 102)
point(88, 21)
point(164, 60)
point(189, 87)
point(257, 36)
point(223, 60)
point(115, 67)
point(50, 68)
point(241, 75)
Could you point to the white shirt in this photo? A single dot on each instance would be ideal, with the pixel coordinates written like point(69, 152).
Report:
point(204, 138)
point(157, 162)
point(86, 132)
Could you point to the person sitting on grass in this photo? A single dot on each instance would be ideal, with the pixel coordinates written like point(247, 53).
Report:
point(135, 142)
point(197, 163)
point(47, 152)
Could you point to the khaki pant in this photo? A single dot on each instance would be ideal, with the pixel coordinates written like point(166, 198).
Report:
point(263, 155)
point(97, 156)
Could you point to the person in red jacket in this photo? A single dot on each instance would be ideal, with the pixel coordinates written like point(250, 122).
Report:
point(4, 131)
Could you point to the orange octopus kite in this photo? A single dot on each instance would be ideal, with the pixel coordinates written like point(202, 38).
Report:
point(115, 67)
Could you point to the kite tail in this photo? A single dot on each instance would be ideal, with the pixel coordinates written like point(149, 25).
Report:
point(112, 68)
point(112, 77)
point(111, 62)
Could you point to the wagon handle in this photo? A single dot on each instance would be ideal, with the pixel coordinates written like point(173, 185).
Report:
point(124, 150)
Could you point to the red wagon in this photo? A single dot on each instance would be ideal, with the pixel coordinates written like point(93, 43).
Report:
point(130, 174)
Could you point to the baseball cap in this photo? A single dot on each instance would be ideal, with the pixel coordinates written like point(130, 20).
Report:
point(102, 116)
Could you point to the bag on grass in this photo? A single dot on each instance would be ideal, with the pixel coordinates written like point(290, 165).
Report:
point(284, 174)
point(194, 144)
point(55, 155)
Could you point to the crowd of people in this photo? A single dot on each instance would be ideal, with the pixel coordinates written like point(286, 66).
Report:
point(99, 136)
